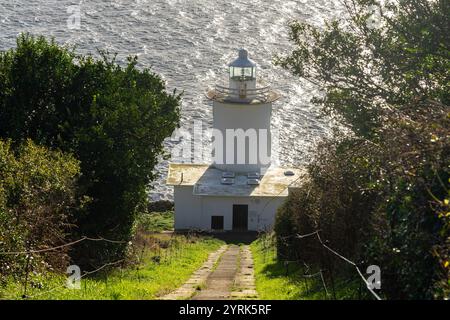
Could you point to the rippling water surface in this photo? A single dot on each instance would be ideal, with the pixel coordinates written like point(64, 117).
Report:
point(189, 42)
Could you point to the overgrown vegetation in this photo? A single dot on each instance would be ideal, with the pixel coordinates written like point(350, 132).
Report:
point(159, 216)
point(112, 119)
point(156, 265)
point(280, 279)
point(155, 221)
point(37, 200)
point(378, 193)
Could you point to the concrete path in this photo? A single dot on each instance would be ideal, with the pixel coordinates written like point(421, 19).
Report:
point(221, 280)
point(198, 278)
point(244, 281)
point(228, 274)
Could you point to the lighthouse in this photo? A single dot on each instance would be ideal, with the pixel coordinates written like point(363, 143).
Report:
point(240, 190)
point(242, 114)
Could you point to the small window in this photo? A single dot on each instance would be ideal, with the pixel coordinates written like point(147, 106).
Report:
point(217, 223)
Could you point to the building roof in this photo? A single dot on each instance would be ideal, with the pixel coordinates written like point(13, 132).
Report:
point(243, 61)
point(206, 181)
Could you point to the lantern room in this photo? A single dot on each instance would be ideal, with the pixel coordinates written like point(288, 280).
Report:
point(242, 87)
point(242, 72)
point(242, 69)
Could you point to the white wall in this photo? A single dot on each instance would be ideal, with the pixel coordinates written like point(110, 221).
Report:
point(242, 116)
point(188, 208)
point(194, 212)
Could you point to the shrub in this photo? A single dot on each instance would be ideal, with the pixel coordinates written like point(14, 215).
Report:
point(112, 118)
point(379, 189)
point(37, 201)
point(381, 203)
point(366, 69)
point(154, 221)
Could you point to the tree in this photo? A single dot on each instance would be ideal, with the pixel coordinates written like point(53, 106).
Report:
point(380, 193)
point(383, 203)
point(113, 119)
point(378, 58)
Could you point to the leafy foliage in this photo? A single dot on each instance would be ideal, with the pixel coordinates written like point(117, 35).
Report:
point(111, 118)
point(143, 279)
point(380, 204)
point(379, 193)
point(366, 70)
point(155, 221)
point(37, 200)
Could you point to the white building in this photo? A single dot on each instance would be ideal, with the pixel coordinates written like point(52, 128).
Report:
point(239, 190)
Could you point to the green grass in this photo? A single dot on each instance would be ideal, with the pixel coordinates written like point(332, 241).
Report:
point(270, 275)
point(148, 281)
point(155, 221)
point(275, 282)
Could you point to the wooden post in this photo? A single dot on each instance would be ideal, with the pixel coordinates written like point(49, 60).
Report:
point(306, 284)
point(360, 289)
point(27, 271)
point(330, 269)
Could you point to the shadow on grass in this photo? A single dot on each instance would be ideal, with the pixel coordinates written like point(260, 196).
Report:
point(345, 287)
point(229, 237)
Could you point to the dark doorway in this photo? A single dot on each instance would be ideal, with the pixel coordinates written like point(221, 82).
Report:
point(217, 222)
point(240, 217)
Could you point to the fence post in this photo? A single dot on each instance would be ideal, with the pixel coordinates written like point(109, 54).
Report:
point(331, 269)
point(27, 271)
point(273, 242)
point(306, 284)
point(264, 248)
point(360, 289)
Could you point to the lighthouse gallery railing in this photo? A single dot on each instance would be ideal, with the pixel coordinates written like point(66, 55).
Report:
point(258, 93)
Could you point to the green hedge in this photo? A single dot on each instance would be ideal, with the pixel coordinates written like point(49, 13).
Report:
point(383, 203)
point(112, 117)
point(37, 201)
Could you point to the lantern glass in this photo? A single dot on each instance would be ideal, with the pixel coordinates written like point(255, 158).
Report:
point(247, 73)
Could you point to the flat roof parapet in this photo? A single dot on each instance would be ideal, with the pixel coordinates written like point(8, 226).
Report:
point(207, 181)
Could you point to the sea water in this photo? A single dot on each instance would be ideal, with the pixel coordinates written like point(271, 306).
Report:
point(189, 43)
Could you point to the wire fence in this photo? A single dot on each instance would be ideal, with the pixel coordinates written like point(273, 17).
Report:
point(150, 249)
point(269, 243)
point(156, 250)
point(64, 286)
point(60, 246)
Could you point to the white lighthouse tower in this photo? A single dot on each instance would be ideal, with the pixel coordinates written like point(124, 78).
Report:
point(241, 119)
point(240, 190)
